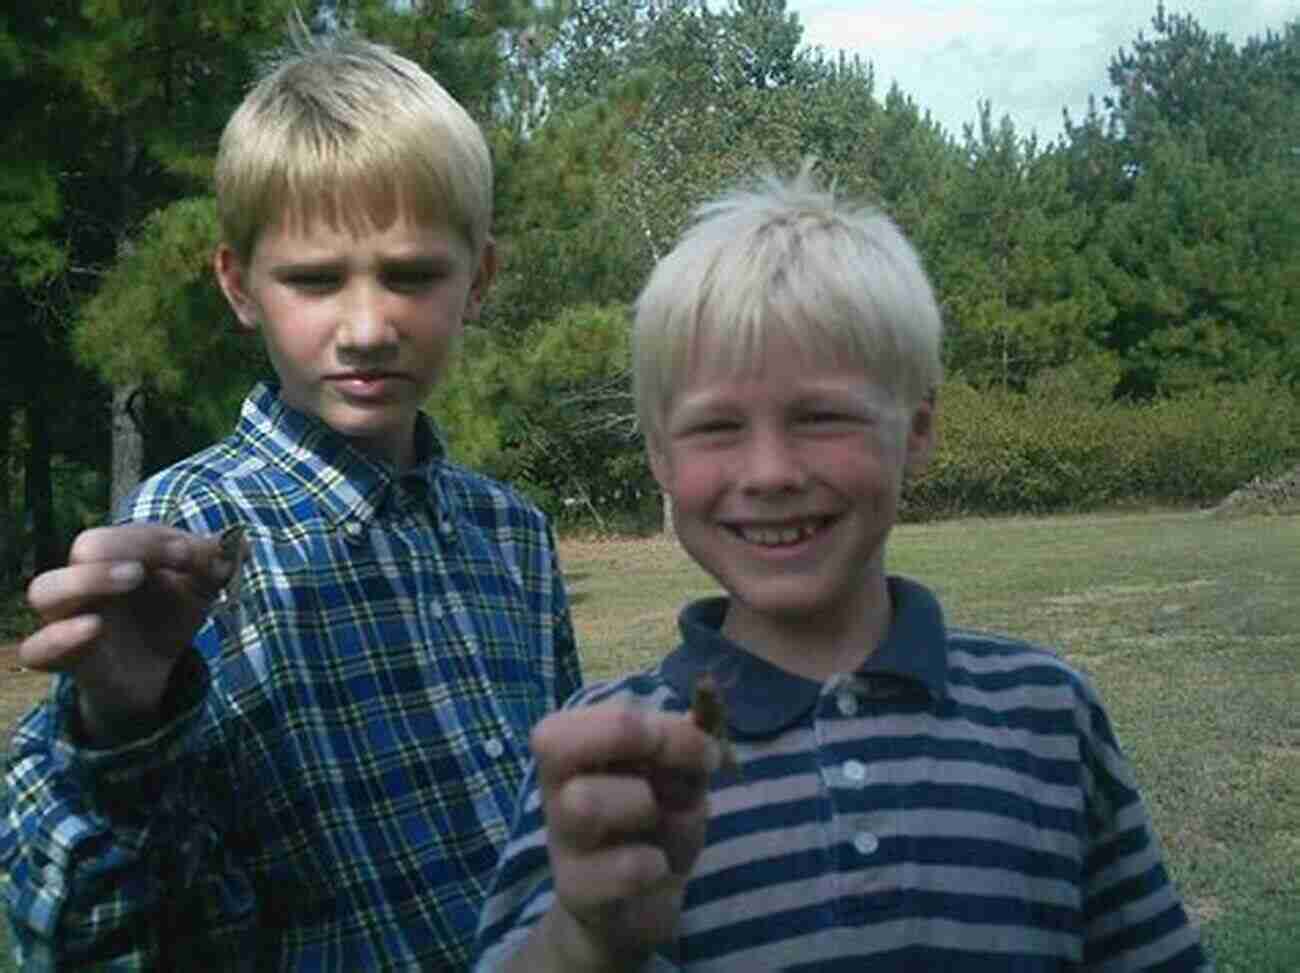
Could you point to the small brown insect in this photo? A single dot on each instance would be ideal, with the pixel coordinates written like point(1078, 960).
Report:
point(234, 548)
point(709, 713)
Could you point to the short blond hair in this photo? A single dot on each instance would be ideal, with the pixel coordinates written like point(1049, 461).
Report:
point(347, 131)
point(786, 258)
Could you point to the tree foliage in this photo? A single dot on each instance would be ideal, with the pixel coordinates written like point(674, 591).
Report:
point(1151, 251)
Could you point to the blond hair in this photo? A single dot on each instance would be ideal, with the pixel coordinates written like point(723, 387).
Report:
point(787, 258)
point(352, 133)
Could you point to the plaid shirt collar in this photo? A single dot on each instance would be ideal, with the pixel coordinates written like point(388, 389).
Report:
point(348, 484)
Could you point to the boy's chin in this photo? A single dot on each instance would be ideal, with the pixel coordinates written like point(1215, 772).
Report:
point(791, 605)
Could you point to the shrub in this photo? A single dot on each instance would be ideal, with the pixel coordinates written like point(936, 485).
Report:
point(1002, 452)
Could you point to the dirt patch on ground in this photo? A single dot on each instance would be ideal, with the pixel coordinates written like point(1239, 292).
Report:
point(1280, 494)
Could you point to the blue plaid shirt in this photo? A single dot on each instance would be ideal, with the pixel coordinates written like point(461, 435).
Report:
point(336, 775)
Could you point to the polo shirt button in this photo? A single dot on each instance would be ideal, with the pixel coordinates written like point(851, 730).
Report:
point(855, 771)
point(353, 530)
point(848, 703)
point(866, 843)
point(494, 748)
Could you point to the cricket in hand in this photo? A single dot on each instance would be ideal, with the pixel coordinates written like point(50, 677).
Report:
point(234, 548)
point(709, 713)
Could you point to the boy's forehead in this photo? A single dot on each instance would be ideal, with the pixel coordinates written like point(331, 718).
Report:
point(716, 357)
point(307, 224)
point(782, 368)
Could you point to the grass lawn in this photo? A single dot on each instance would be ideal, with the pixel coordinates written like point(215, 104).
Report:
point(1186, 623)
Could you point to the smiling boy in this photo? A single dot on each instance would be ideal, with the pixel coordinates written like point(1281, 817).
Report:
point(319, 772)
point(910, 796)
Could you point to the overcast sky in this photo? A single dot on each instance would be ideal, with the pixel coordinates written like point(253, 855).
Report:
point(1029, 57)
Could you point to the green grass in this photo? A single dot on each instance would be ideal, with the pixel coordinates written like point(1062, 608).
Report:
point(1187, 624)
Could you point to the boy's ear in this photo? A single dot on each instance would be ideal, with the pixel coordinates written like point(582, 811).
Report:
point(484, 274)
point(921, 436)
point(232, 276)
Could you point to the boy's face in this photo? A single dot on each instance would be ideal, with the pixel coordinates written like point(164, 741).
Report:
point(358, 328)
point(785, 482)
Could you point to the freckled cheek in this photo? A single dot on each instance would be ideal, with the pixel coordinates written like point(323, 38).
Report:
point(696, 482)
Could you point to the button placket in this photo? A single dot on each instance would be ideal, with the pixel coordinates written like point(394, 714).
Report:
point(846, 702)
point(866, 843)
point(854, 773)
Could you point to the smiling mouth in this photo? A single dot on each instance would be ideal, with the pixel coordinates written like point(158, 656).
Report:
point(783, 535)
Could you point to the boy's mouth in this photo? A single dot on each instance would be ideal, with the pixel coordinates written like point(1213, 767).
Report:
point(779, 535)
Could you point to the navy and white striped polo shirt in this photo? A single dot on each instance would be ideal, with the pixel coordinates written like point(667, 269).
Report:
point(958, 803)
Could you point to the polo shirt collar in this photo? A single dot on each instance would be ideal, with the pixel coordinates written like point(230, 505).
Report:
point(347, 484)
point(763, 699)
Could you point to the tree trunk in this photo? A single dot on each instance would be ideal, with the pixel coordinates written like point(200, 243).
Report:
point(127, 418)
point(10, 532)
point(39, 490)
point(128, 443)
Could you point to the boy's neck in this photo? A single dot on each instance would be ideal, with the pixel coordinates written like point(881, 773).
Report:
point(814, 648)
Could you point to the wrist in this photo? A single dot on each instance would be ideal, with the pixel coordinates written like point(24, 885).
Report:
point(562, 942)
point(102, 723)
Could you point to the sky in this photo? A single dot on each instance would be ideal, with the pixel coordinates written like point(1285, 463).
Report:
point(1029, 58)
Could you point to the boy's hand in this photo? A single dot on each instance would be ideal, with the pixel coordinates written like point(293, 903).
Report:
point(625, 795)
point(119, 615)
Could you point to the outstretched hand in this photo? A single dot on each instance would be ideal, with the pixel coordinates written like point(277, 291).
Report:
point(625, 795)
point(120, 614)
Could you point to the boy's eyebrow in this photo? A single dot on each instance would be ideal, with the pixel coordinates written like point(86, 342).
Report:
point(419, 261)
point(711, 399)
point(298, 264)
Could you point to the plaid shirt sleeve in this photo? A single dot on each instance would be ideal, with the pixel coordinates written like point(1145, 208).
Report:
point(87, 837)
point(338, 779)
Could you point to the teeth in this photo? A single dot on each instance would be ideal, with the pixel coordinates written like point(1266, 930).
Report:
point(777, 536)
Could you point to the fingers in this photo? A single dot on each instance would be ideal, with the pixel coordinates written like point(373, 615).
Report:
point(600, 879)
point(625, 797)
point(60, 645)
point(594, 739)
point(592, 811)
point(139, 587)
point(64, 592)
point(108, 562)
point(154, 545)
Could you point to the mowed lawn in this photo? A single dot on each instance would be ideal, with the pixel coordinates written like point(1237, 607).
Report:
point(1187, 624)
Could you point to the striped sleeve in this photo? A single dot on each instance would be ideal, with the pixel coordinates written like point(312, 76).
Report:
point(1133, 917)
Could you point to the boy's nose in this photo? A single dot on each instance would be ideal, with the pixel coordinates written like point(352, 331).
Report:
point(363, 320)
point(772, 464)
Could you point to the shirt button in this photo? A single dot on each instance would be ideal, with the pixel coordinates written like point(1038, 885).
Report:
point(494, 748)
point(353, 530)
point(848, 703)
point(866, 843)
point(855, 771)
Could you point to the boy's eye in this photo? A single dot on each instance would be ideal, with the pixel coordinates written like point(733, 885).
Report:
point(410, 280)
point(313, 283)
point(821, 417)
point(712, 427)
